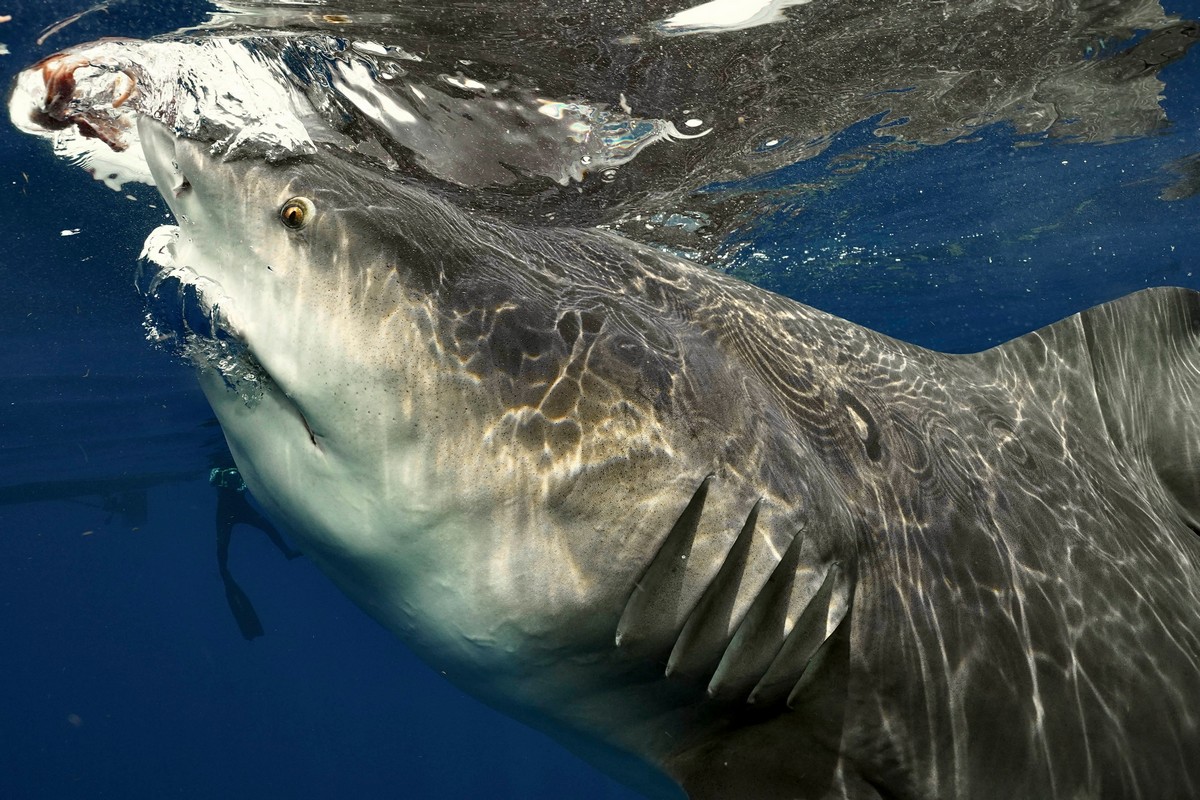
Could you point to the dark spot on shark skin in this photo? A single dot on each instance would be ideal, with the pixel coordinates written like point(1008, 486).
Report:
point(864, 418)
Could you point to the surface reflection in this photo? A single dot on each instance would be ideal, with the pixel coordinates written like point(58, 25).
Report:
point(672, 125)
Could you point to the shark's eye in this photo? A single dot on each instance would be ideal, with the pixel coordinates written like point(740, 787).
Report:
point(296, 212)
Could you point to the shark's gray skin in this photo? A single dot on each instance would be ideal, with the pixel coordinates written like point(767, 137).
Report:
point(706, 536)
point(698, 530)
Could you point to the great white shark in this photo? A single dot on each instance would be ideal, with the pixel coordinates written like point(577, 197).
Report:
point(709, 537)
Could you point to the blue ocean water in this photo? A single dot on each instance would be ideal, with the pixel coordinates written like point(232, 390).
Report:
point(122, 673)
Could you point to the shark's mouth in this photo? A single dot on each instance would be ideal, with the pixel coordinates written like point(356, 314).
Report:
point(189, 316)
point(89, 100)
point(185, 315)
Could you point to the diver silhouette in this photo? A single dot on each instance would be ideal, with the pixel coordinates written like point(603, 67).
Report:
point(234, 508)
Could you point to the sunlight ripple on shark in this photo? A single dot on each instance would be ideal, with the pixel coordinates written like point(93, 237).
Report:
point(706, 536)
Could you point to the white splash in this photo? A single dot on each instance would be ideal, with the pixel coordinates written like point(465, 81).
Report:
point(718, 16)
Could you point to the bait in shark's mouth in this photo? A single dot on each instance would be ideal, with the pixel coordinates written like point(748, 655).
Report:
point(706, 536)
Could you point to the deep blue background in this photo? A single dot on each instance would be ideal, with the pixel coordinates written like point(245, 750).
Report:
point(121, 671)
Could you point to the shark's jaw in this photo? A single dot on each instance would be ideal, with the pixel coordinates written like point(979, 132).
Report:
point(188, 267)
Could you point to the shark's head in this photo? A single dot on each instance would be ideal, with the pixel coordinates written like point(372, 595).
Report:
point(435, 403)
point(449, 425)
point(363, 432)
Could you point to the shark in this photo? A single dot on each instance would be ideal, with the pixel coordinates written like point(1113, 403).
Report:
point(718, 542)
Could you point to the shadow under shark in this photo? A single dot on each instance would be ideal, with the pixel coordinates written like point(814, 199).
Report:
point(705, 535)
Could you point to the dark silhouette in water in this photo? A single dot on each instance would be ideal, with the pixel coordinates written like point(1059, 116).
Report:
point(232, 509)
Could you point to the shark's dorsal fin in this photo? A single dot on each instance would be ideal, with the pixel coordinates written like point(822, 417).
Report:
point(1142, 355)
point(1145, 352)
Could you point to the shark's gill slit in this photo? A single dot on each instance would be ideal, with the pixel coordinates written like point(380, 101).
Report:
point(658, 606)
point(761, 633)
point(711, 625)
point(806, 636)
point(839, 614)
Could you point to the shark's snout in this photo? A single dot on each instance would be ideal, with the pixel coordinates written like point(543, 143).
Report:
point(162, 153)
